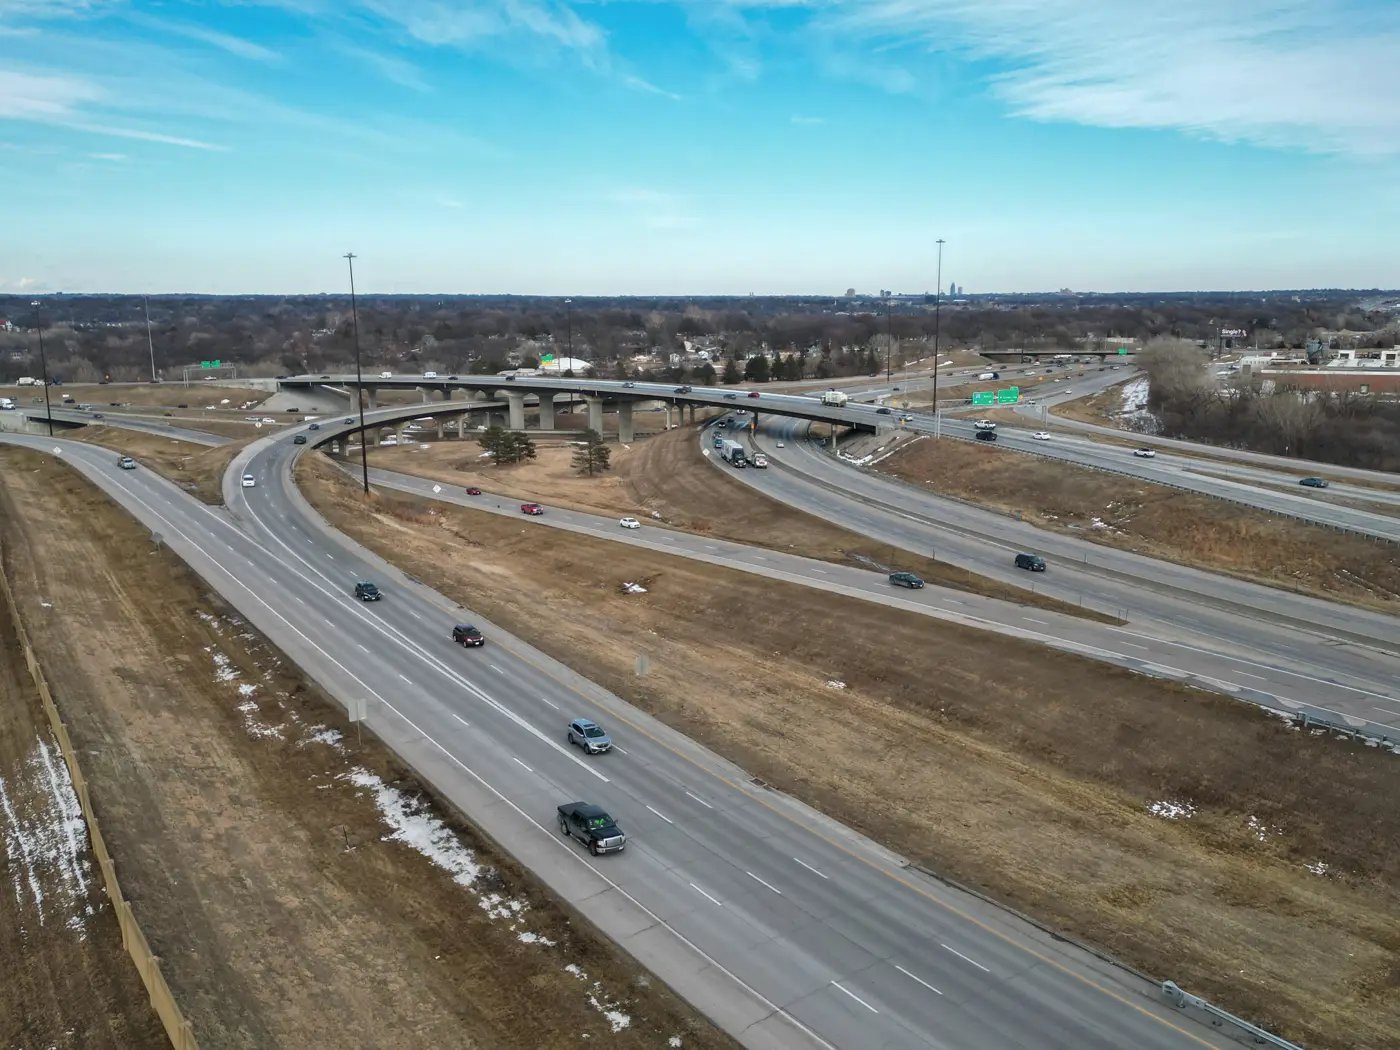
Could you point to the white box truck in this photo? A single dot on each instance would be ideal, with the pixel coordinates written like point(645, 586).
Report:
point(733, 453)
point(834, 397)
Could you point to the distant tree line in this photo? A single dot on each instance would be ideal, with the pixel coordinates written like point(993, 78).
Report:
point(1346, 428)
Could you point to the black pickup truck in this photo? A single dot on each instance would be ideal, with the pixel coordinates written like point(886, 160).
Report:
point(591, 825)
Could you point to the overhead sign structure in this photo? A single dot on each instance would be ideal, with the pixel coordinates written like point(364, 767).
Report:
point(1122, 351)
point(211, 364)
point(1010, 396)
point(984, 397)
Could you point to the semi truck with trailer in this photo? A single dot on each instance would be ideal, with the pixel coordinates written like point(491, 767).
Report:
point(834, 397)
point(733, 453)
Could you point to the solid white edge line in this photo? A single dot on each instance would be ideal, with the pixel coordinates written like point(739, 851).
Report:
point(663, 816)
point(809, 867)
point(912, 977)
point(762, 883)
point(856, 998)
point(700, 800)
point(702, 893)
point(960, 955)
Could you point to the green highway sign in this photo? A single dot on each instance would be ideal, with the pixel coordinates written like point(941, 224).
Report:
point(984, 397)
point(1122, 351)
point(211, 364)
point(1010, 396)
point(546, 358)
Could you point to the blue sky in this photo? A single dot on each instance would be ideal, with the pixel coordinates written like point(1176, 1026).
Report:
point(698, 146)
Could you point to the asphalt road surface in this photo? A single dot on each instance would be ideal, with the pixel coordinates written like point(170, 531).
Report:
point(785, 928)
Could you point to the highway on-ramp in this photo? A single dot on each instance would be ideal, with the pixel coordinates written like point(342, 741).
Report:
point(785, 928)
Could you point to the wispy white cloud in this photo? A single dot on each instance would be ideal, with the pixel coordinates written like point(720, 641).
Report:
point(234, 45)
point(800, 119)
point(390, 67)
point(1318, 75)
point(115, 158)
point(645, 85)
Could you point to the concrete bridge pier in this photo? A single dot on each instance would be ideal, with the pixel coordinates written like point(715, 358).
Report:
point(595, 413)
point(547, 416)
point(624, 422)
point(666, 405)
point(516, 404)
point(370, 396)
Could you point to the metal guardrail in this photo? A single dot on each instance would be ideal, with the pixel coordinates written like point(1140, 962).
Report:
point(1362, 729)
point(1236, 1027)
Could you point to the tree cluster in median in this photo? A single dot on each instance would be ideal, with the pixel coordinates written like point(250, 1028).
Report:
point(506, 446)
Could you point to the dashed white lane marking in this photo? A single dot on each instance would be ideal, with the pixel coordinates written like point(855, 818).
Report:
point(461, 719)
point(495, 668)
point(1246, 674)
point(616, 748)
point(762, 883)
point(361, 647)
point(521, 764)
point(405, 678)
point(663, 816)
point(809, 867)
point(963, 957)
point(702, 893)
point(912, 977)
point(551, 703)
point(856, 998)
point(1032, 619)
point(700, 800)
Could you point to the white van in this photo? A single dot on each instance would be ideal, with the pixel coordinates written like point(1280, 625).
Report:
point(386, 375)
point(430, 375)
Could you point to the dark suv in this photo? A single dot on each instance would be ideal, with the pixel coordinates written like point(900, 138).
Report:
point(466, 635)
point(906, 579)
point(367, 592)
point(986, 435)
point(1032, 562)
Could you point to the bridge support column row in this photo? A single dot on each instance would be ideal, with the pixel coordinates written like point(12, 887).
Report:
point(547, 417)
point(624, 422)
point(595, 413)
point(516, 405)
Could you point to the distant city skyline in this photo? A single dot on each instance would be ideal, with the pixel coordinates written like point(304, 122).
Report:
point(693, 147)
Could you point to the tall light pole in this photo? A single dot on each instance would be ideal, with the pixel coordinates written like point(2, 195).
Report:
point(359, 376)
point(937, 318)
point(889, 333)
point(150, 343)
point(43, 367)
point(569, 309)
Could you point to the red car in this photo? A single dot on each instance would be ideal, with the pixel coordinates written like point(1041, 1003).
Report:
point(473, 491)
point(753, 393)
point(531, 508)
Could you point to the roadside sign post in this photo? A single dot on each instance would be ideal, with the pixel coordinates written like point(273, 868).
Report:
point(643, 664)
point(358, 710)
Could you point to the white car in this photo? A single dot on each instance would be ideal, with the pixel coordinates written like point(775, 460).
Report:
point(1041, 435)
point(267, 419)
point(1145, 453)
point(781, 445)
point(630, 523)
point(249, 481)
point(430, 375)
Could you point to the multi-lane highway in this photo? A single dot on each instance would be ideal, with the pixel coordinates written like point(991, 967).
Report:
point(787, 929)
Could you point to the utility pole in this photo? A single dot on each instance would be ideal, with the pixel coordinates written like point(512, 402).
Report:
point(359, 375)
point(43, 367)
point(150, 343)
point(937, 318)
point(569, 309)
point(889, 333)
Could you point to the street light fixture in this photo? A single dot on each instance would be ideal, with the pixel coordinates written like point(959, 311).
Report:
point(937, 317)
point(359, 376)
point(150, 343)
point(43, 367)
point(569, 309)
point(889, 333)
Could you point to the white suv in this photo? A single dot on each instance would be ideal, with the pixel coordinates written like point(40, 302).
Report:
point(249, 481)
point(630, 523)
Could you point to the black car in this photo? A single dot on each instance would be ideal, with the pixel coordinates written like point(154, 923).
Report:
point(986, 435)
point(347, 419)
point(451, 377)
point(314, 426)
point(731, 396)
point(906, 579)
point(367, 592)
point(882, 411)
point(1030, 562)
point(682, 389)
point(300, 439)
point(465, 634)
point(325, 377)
point(1314, 483)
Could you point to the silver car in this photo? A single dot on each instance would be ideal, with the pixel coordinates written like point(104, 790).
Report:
point(589, 735)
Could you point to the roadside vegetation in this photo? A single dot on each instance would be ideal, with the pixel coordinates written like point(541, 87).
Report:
point(1178, 526)
point(1187, 833)
point(300, 887)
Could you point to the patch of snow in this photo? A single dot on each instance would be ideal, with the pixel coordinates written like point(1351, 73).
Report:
point(674, 1042)
point(1172, 810)
point(254, 725)
point(633, 588)
point(224, 671)
point(576, 970)
point(1261, 830)
point(616, 1019)
point(324, 735)
point(835, 684)
point(526, 937)
point(1317, 868)
point(45, 838)
point(247, 690)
